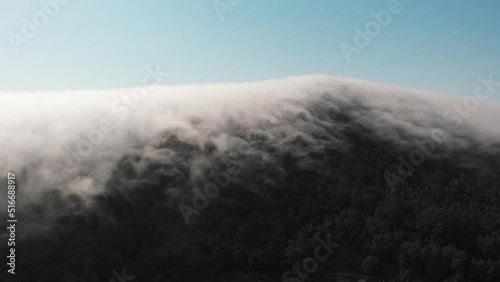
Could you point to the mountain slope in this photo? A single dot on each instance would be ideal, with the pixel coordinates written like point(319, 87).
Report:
point(197, 182)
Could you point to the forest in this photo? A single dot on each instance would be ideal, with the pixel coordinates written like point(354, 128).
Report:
point(441, 223)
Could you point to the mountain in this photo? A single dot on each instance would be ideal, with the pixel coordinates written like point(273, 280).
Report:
point(313, 177)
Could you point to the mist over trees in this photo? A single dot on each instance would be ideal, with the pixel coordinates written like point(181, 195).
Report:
point(311, 167)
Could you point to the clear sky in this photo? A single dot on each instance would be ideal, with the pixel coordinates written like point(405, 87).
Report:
point(436, 45)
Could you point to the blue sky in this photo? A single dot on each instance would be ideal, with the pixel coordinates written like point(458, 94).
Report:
point(436, 45)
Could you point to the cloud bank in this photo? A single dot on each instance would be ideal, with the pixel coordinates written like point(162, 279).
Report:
point(76, 141)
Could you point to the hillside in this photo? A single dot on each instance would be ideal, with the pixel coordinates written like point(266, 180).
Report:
point(213, 182)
